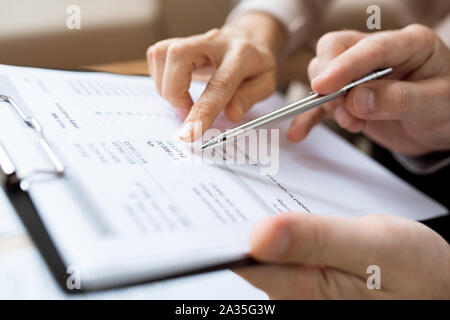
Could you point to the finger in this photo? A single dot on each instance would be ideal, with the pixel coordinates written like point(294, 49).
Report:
point(156, 56)
point(149, 56)
point(204, 74)
point(302, 124)
point(284, 281)
point(313, 68)
point(424, 102)
point(347, 244)
point(336, 110)
point(303, 282)
point(332, 45)
point(404, 50)
point(275, 280)
point(328, 47)
point(391, 135)
point(250, 92)
point(218, 93)
point(345, 119)
point(183, 57)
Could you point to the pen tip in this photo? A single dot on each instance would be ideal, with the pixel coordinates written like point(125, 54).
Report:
point(214, 142)
point(206, 145)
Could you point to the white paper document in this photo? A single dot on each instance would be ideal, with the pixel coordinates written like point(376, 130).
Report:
point(137, 204)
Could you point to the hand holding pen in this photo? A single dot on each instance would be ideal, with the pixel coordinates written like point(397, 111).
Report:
point(406, 113)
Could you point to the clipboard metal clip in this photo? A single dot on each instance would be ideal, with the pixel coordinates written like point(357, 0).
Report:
point(8, 173)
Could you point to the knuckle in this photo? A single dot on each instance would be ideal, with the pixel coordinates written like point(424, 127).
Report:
point(334, 39)
point(427, 36)
point(159, 51)
point(243, 48)
point(204, 111)
point(176, 50)
point(211, 34)
point(403, 97)
point(326, 39)
point(149, 52)
point(416, 28)
point(335, 42)
point(221, 84)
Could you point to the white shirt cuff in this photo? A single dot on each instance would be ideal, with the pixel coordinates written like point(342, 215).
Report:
point(424, 165)
point(295, 16)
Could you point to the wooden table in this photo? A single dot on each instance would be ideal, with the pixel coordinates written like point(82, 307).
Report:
point(293, 68)
point(133, 67)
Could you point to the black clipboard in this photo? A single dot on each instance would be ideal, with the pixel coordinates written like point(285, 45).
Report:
point(16, 190)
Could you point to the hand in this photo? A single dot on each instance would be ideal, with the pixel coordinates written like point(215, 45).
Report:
point(241, 58)
point(323, 257)
point(409, 112)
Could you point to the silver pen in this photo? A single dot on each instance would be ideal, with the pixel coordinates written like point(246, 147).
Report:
point(290, 111)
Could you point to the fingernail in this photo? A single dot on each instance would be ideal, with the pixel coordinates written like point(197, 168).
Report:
point(279, 244)
point(240, 109)
point(342, 116)
point(364, 100)
point(186, 132)
point(198, 131)
point(268, 243)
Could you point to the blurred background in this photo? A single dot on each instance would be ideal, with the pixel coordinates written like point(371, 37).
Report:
point(34, 33)
point(111, 30)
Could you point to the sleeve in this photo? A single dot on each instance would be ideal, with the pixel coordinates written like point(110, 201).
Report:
point(425, 12)
point(443, 30)
point(435, 14)
point(297, 16)
point(424, 165)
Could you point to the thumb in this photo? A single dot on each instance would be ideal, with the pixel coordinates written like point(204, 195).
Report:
point(341, 243)
point(398, 100)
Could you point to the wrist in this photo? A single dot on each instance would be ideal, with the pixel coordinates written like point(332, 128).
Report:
point(261, 28)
